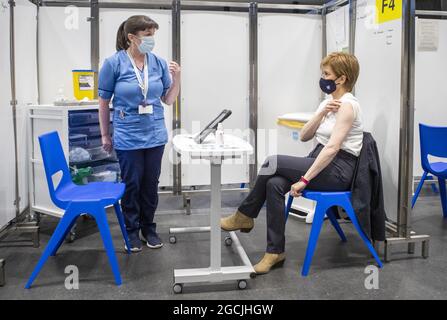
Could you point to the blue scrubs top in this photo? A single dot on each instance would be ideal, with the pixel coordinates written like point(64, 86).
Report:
point(117, 78)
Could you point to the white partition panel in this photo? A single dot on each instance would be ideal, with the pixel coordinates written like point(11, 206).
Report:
point(215, 76)
point(430, 104)
point(26, 84)
point(7, 181)
point(337, 29)
point(289, 55)
point(378, 49)
point(64, 45)
point(110, 20)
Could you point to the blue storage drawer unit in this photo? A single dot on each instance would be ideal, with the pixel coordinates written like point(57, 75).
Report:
point(82, 118)
point(92, 130)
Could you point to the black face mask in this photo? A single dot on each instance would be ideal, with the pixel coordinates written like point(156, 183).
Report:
point(328, 86)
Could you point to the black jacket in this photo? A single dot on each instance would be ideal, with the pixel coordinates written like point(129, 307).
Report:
point(367, 191)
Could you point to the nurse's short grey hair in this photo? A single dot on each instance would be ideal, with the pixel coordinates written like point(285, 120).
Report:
point(132, 25)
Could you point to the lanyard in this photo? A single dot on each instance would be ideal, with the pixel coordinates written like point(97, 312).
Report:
point(144, 85)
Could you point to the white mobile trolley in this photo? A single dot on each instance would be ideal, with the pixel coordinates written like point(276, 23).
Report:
point(233, 147)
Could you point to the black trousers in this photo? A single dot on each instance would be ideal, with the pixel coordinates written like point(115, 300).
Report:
point(274, 180)
point(140, 171)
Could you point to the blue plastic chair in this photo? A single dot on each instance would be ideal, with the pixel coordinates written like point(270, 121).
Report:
point(326, 201)
point(433, 142)
point(76, 200)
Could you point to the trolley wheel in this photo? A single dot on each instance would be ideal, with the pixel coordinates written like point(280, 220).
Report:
point(172, 239)
point(228, 241)
point(242, 284)
point(178, 288)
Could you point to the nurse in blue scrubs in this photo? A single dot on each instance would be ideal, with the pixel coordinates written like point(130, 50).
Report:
point(139, 81)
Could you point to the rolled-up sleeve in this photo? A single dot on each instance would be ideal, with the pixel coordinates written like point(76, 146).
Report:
point(106, 80)
point(165, 78)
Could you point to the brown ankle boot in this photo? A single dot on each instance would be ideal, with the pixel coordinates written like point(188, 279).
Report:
point(237, 221)
point(269, 261)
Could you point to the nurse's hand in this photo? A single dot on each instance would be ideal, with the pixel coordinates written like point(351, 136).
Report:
point(174, 70)
point(297, 188)
point(107, 143)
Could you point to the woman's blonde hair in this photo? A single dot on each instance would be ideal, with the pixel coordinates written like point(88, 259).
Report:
point(343, 64)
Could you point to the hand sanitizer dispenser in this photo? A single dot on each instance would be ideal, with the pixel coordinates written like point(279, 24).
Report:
point(219, 134)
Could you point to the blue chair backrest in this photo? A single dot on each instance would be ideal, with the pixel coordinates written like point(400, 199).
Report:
point(433, 142)
point(54, 161)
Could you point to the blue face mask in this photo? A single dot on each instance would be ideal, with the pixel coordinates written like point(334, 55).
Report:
point(147, 44)
point(328, 86)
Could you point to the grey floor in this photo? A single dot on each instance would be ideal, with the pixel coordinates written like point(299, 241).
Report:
point(337, 272)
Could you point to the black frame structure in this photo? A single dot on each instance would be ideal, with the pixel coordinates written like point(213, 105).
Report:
point(19, 224)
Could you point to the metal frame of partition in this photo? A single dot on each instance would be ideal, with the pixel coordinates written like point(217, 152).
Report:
point(17, 225)
point(176, 112)
point(253, 87)
point(431, 13)
point(401, 230)
point(13, 102)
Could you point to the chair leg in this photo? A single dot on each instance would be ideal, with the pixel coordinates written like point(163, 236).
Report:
point(443, 195)
point(58, 235)
point(335, 224)
point(120, 217)
point(53, 253)
point(103, 226)
point(418, 190)
point(313, 239)
point(351, 214)
point(288, 206)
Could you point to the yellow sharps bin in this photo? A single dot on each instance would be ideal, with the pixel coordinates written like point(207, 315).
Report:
point(84, 84)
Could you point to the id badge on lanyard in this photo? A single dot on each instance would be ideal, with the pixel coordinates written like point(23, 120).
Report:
point(143, 108)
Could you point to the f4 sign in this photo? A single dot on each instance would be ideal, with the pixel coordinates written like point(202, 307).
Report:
point(388, 10)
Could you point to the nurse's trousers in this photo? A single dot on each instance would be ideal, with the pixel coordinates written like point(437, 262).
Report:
point(274, 180)
point(140, 171)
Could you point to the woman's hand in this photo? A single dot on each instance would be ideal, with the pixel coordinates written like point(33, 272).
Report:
point(174, 70)
point(107, 143)
point(332, 106)
point(297, 188)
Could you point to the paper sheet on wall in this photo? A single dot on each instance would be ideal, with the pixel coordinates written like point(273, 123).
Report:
point(428, 35)
point(378, 19)
point(340, 30)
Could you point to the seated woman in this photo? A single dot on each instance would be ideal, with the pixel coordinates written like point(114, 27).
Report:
point(337, 127)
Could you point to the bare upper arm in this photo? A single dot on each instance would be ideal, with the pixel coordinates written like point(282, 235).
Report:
point(345, 118)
